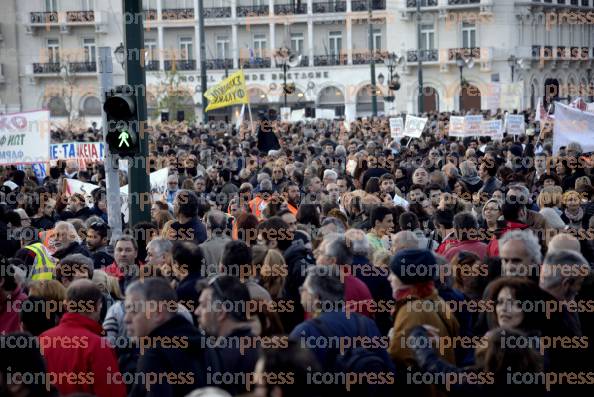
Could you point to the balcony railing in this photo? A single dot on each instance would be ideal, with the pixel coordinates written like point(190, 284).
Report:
point(252, 11)
point(48, 67)
point(217, 12)
point(536, 51)
point(424, 3)
point(189, 64)
point(425, 55)
point(256, 63)
point(462, 2)
point(304, 61)
point(330, 60)
point(150, 14)
point(80, 16)
point(329, 7)
point(365, 57)
point(363, 5)
point(152, 66)
point(174, 14)
point(82, 67)
point(290, 9)
point(474, 52)
point(219, 64)
point(44, 17)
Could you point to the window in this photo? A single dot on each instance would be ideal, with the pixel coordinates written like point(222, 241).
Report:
point(377, 39)
point(150, 46)
point(89, 48)
point(297, 43)
point(88, 5)
point(149, 4)
point(223, 47)
point(335, 41)
point(427, 37)
point(186, 48)
point(259, 45)
point(51, 5)
point(260, 2)
point(468, 35)
point(53, 51)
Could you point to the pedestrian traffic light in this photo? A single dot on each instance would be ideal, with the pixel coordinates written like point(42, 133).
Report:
point(122, 122)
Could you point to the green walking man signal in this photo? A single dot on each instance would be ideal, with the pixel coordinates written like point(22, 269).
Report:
point(122, 122)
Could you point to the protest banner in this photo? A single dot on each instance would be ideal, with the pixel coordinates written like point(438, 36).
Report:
point(396, 127)
point(285, 113)
point(158, 180)
point(572, 125)
point(297, 115)
point(414, 126)
point(515, 124)
point(231, 91)
point(326, 114)
point(457, 128)
point(24, 138)
point(472, 125)
point(492, 129)
point(94, 151)
point(72, 186)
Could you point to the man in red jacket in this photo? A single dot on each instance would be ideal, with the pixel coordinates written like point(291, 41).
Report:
point(469, 237)
point(78, 359)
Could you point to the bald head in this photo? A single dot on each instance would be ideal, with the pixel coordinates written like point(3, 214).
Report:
point(564, 241)
point(404, 240)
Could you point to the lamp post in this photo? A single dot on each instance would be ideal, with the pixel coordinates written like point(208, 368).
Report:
point(372, 63)
point(419, 58)
point(119, 54)
point(514, 61)
point(392, 61)
point(463, 62)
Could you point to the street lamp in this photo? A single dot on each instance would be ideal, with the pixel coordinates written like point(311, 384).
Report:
point(391, 61)
point(463, 62)
point(381, 79)
point(120, 53)
point(514, 61)
point(282, 59)
point(372, 62)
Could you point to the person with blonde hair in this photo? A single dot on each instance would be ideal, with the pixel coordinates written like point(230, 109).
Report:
point(573, 213)
point(52, 290)
point(273, 273)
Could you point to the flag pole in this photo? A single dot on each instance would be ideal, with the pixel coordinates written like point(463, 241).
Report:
point(251, 118)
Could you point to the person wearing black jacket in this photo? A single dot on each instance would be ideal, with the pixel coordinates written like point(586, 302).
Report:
point(267, 139)
point(188, 226)
point(169, 343)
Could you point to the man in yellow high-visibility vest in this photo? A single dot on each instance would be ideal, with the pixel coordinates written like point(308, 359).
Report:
point(44, 265)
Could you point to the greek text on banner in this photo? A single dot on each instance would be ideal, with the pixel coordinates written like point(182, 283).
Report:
point(24, 138)
point(231, 91)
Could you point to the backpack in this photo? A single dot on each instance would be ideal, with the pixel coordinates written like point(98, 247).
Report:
point(360, 361)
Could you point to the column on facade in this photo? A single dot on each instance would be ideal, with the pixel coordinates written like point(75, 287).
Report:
point(160, 41)
point(272, 44)
point(310, 41)
point(235, 45)
point(197, 36)
point(349, 31)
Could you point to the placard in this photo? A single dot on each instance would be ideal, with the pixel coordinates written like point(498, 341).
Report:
point(472, 125)
point(515, 124)
point(492, 129)
point(24, 138)
point(396, 127)
point(414, 126)
point(457, 128)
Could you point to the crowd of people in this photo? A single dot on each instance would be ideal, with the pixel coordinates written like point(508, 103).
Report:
point(306, 259)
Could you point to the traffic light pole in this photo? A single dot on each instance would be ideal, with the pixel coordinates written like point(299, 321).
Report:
point(114, 211)
point(139, 186)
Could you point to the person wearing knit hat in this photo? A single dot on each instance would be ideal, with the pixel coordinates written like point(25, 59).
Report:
point(412, 275)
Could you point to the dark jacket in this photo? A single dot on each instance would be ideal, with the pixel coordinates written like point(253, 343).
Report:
point(44, 222)
point(186, 291)
point(490, 186)
point(191, 230)
point(161, 358)
point(102, 257)
point(81, 214)
point(298, 258)
point(97, 212)
point(73, 248)
point(267, 139)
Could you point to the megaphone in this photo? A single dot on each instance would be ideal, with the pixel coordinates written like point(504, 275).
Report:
point(294, 60)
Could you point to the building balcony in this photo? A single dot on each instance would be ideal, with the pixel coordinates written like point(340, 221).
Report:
point(330, 60)
point(46, 68)
point(152, 66)
point(363, 5)
point(424, 55)
point(252, 11)
point(474, 52)
point(217, 12)
point(44, 18)
point(80, 16)
point(219, 64)
point(183, 64)
point(82, 67)
point(177, 14)
point(364, 58)
point(463, 2)
point(424, 3)
point(290, 9)
point(304, 61)
point(329, 7)
point(150, 14)
point(256, 63)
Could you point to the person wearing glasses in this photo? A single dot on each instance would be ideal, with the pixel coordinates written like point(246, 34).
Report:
point(172, 188)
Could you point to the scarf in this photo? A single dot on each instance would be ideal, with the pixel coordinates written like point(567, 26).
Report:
point(575, 218)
